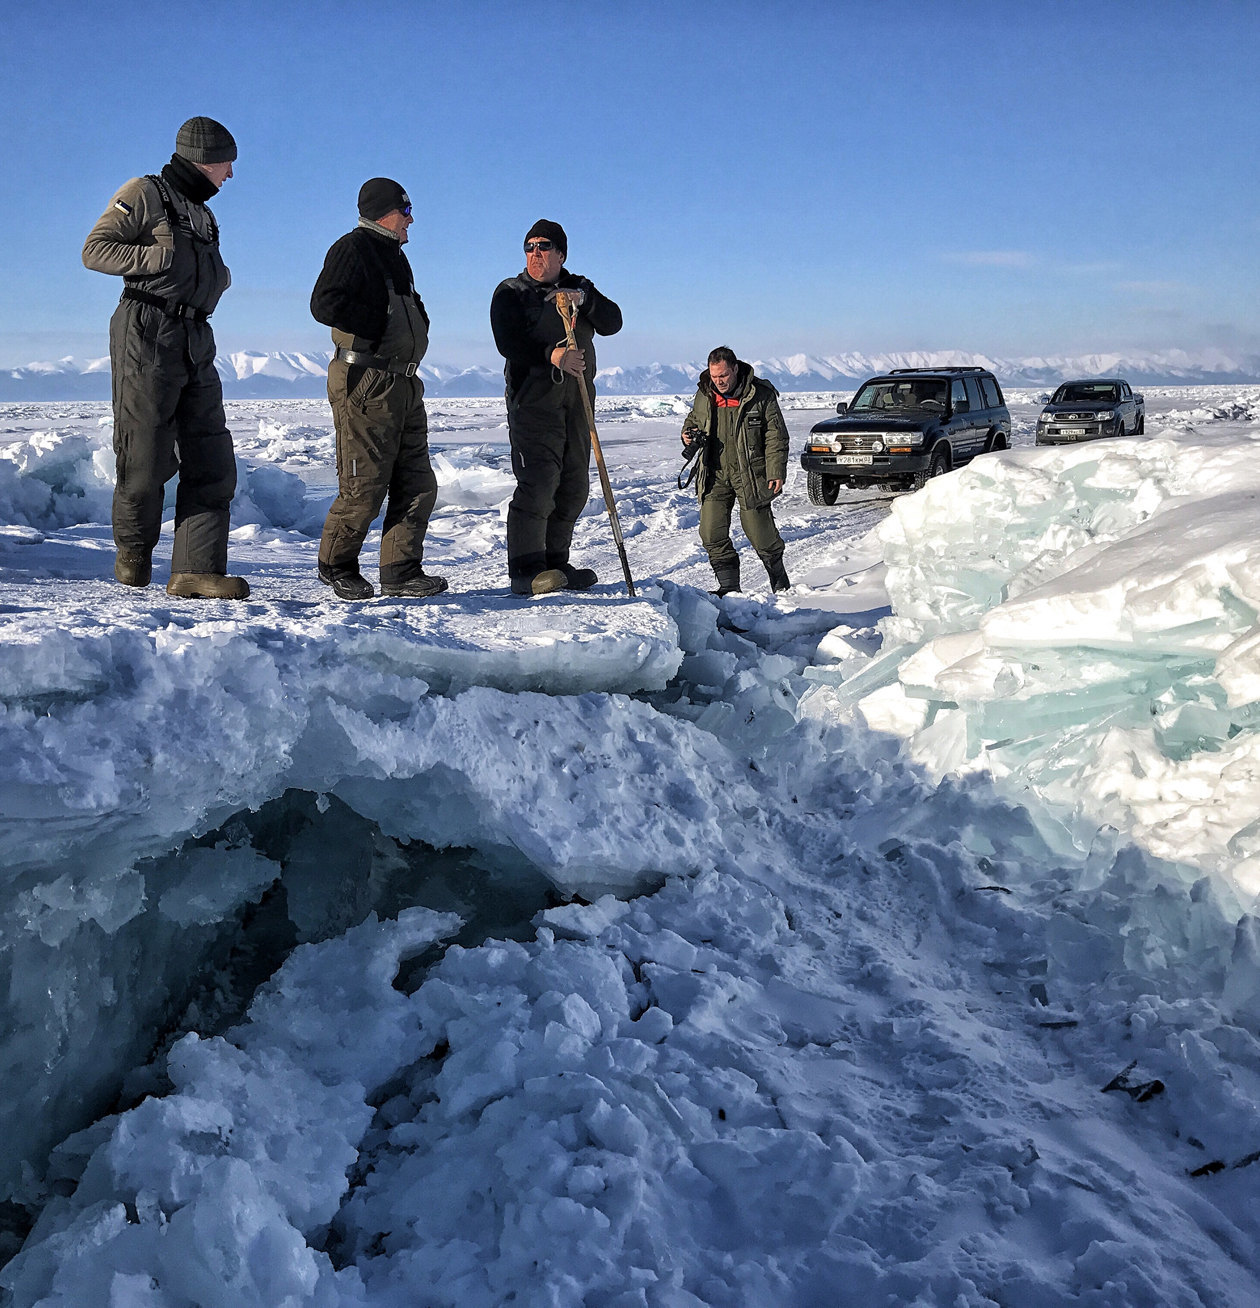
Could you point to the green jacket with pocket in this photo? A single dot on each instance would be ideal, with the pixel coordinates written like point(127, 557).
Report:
point(748, 443)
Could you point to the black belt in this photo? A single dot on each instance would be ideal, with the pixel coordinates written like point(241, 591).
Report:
point(362, 359)
point(172, 308)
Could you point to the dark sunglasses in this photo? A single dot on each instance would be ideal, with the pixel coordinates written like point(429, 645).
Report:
point(406, 211)
point(531, 246)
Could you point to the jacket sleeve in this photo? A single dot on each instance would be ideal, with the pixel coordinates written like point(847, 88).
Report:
point(697, 421)
point(776, 441)
point(522, 348)
point(601, 312)
point(133, 237)
point(343, 298)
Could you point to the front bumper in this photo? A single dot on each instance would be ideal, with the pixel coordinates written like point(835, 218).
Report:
point(1068, 433)
point(873, 467)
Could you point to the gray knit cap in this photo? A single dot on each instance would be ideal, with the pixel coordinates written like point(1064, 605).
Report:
point(203, 141)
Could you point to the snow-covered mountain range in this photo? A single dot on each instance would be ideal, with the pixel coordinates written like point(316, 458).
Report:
point(283, 375)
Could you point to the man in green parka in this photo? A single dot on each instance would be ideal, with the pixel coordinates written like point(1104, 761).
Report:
point(736, 414)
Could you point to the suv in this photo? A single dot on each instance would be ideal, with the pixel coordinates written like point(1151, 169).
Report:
point(1085, 410)
point(905, 426)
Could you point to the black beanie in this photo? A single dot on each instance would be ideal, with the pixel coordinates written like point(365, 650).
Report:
point(379, 196)
point(550, 231)
point(203, 141)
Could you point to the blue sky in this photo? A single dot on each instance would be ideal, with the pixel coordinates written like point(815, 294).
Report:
point(1016, 178)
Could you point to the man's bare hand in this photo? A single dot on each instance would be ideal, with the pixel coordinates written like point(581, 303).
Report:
point(776, 486)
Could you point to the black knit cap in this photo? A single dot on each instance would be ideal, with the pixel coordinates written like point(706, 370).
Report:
point(202, 140)
point(379, 196)
point(550, 231)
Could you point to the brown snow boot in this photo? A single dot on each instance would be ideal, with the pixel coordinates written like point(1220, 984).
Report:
point(541, 583)
point(207, 585)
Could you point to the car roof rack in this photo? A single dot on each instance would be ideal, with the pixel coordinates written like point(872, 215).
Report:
point(898, 372)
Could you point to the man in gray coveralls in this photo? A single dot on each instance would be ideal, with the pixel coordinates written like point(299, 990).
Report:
point(159, 237)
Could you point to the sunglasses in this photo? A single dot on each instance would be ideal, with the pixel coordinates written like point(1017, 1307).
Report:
point(406, 211)
point(531, 246)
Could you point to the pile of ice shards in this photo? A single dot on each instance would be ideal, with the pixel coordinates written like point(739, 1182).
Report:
point(1081, 623)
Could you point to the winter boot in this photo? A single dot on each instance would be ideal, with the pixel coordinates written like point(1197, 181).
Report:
point(347, 583)
point(779, 580)
point(726, 583)
point(134, 567)
point(207, 585)
point(418, 586)
point(578, 578)
point(541, 583)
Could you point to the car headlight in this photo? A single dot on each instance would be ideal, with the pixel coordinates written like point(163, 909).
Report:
point(1106, 415)
point(877, 444)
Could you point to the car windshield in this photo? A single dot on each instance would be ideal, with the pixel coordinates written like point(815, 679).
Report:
point(900, 396)
point(1086, 393)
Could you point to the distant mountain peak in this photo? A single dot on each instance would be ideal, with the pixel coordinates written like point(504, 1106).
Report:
point(252, 374)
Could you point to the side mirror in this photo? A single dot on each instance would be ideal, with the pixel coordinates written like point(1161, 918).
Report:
point(842, 407)
point(1043, 399)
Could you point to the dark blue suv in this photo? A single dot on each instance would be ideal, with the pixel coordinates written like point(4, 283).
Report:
point(905, 426)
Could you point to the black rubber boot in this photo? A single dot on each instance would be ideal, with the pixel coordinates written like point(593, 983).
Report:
point(134, 567)
point(418, 586)
point(726, 583)
point(779, 580)
point(347, 583)
point(578, 578)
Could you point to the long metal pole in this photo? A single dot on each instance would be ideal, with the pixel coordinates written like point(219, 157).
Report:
point(568, 310)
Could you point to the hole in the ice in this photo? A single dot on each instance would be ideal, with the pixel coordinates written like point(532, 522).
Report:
point(222, 913)
point(333, 868)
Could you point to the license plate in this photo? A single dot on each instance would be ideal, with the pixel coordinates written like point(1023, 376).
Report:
point(1072, 431)
point(852, 460)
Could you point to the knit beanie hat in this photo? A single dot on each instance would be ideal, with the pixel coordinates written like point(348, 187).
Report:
point(379, 196)
point(551, 232)
point(203, 141)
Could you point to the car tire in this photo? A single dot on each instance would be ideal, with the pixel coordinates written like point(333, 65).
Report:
point(938, 465)
point(822, 489)
point(1140, 426)
point(997, 441)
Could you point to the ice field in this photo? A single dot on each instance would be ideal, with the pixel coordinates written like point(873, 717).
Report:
point(890, 941)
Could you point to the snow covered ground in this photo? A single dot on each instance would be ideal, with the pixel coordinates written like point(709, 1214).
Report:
point(887, 942)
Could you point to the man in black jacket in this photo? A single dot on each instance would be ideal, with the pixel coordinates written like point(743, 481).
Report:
point(367, 295)
point(551, 441)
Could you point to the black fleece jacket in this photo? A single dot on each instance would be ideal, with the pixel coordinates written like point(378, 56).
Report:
point(527, 326)
point(351, 292)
